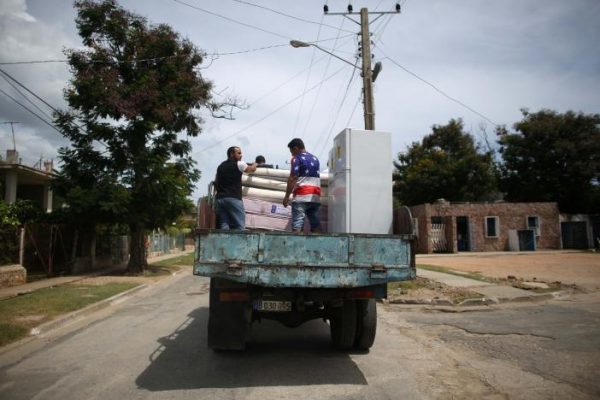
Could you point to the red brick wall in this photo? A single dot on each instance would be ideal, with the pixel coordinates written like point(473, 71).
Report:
point(510, 216)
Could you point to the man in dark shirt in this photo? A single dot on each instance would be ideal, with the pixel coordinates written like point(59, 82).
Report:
point(262, 163)
point(228, 184)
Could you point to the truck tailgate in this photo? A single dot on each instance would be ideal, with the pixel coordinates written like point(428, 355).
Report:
point(284, 259)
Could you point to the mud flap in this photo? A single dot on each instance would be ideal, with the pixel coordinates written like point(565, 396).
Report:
point(228, 322)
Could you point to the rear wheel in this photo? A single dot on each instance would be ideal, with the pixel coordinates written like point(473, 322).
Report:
point(366, 323)
point(342, 324)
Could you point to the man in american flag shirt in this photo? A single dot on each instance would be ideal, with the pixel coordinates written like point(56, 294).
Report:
point(305, 183)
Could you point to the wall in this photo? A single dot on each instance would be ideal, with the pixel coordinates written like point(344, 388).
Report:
point(12, 275)
point(510, 216)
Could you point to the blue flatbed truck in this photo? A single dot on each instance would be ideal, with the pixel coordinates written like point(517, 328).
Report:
point(294, 278)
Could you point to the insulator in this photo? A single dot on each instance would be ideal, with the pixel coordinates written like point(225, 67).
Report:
point(397, 7)
point(325, 8)
point(349, 8)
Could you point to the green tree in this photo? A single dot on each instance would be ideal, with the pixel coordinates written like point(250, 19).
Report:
point(447, 164)
point(132, 97)
point(553, 157)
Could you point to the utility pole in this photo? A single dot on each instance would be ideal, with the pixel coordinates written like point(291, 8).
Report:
point(365, 39)
point(368, 74)
point(13, 131)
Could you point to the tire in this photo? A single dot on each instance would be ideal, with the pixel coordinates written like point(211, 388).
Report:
point(342, 325)
point(366, 324)
point(227, 322)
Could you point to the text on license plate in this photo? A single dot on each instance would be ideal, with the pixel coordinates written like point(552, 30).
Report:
point(273, 305)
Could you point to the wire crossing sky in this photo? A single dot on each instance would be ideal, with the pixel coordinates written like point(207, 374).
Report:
point(478, 61)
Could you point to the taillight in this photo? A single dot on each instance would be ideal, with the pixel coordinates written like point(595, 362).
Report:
point(234, 296)
point(361, 294)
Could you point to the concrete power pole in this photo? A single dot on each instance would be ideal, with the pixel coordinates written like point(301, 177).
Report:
point(368, 74)
point(365, 37)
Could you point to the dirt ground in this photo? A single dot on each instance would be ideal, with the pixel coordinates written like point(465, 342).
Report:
point(568, 267)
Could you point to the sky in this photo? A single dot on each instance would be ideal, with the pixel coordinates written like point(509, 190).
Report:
point(481, 61)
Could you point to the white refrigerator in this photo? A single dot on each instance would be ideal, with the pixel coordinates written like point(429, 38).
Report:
point(360, 182)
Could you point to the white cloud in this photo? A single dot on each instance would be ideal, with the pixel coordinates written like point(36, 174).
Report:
point(15, 9)
point(496, 57)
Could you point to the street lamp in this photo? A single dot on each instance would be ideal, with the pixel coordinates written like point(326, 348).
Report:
point(298, 43)
point(368, 79)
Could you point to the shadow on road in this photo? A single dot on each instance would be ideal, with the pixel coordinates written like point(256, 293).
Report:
point(275, 356)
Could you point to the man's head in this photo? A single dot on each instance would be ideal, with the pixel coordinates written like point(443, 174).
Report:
point(260, 160)
point(234, 153)
point(296, 146)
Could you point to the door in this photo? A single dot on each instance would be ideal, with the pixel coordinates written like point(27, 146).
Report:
point(462, 234)
point(596, 232)
point(526, 240)
point(574, 235)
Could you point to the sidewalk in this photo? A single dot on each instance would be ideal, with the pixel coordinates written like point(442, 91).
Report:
point(493, 294)
point(14, 291)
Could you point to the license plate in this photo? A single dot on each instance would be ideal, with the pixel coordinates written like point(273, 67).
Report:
point(273, 305)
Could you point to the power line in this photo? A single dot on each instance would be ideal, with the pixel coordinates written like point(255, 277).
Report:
point(79, 127)
point(7, 75)
point(248, 51)
point(284, 83)
point(290, 16)
point(137, 60)
point(310, 65)
point(337, 113)
point(31, 111)
point(25, 97)
point(324, 73)
point(440, 91)
point(268, 115)
point(232, 20)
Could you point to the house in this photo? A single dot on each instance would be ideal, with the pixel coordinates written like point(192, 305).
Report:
point(494, 226)
point(21, 182)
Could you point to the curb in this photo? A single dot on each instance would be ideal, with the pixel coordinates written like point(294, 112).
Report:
point(75, 278)
point(71, 317)
point(483, 301)
point(66, 319)
point(113, 300)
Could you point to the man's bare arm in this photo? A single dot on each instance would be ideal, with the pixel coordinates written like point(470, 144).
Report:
point(291, 182)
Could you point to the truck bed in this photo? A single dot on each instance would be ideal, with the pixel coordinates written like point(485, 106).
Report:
point(287, 260)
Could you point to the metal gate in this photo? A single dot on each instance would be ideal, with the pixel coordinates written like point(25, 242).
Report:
point(574, 235)
point(438, 238)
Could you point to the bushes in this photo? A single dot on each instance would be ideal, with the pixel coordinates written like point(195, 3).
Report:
point(9, 244)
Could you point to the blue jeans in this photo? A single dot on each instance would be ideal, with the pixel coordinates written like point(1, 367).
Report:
point(309, 209)
point(230, 213)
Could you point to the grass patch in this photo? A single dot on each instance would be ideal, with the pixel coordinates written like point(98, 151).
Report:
point(471, 275)
point(19, 314)
point(169, 266)
point(405, 286)
point(187, 259)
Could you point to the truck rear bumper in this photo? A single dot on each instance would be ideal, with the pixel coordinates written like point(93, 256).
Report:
point(305, 277)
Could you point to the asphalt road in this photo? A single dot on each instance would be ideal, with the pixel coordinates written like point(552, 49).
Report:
point(152, 346)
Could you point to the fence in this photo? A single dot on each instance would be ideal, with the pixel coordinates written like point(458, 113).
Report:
point(161, 243)
point(52, 249)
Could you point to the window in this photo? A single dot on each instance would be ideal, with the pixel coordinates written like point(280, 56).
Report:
point(533, 222)
point(436, 220)
point(492, 226)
